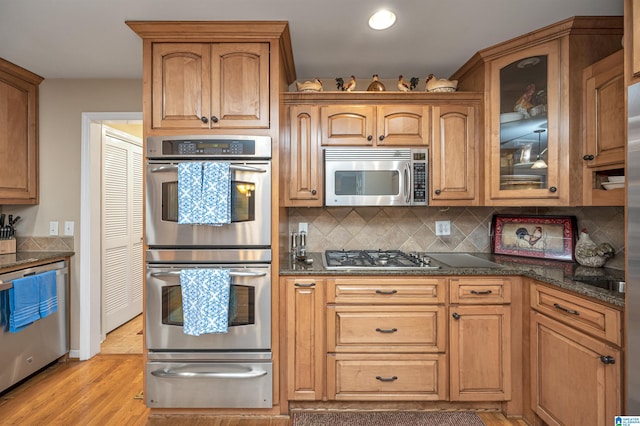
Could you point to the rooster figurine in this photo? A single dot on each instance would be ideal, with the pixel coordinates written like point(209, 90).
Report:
point(309, 86)
point(588, 253)
point(403, 86)
point(434, 84)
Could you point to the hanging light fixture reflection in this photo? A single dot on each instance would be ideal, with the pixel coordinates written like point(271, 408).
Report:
point(539, 163)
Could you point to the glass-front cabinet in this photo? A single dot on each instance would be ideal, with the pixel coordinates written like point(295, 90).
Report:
point(525, 153)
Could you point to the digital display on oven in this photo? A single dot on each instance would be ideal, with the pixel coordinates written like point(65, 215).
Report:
point(208, 147)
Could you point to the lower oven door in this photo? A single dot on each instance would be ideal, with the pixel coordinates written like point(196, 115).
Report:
point(249, 329)
point(209, 384)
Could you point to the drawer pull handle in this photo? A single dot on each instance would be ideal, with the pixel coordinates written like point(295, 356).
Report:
point(387, 379)
point(607, 359)
point(567, 310)
point(382, 330)
point(305, 285)
point(386, 292)
point(478, 293)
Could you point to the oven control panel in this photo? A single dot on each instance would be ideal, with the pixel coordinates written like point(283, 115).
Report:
point(209, 147)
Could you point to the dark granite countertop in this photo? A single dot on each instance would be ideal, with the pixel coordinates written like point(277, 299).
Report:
point(551, 272)
point(13, 261)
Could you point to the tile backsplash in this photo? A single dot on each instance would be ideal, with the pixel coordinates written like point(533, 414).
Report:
point(413, 228)
point(44, 243)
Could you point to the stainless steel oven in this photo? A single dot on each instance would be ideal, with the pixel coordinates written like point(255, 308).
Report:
point(218, 370)
point(250, 165)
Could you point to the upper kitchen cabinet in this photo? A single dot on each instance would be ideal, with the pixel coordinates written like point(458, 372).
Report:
point(533, 109)
point(604, 131)
point(632, 41)
point(384, 125)
point(210, 77)
point(18, 134)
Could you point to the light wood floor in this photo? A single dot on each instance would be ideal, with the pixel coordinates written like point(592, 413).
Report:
point(107, 390)
point(124, 339)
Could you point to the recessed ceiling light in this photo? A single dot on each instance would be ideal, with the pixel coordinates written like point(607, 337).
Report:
point(382, 19)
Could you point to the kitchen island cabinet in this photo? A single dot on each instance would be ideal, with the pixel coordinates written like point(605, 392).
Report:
point(18, 134)
point(533, 108)
point(576, 364)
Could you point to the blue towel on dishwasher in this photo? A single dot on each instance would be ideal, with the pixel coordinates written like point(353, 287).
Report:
point(48, 293)
point(24, 303)
point(204, 193)
point(205, 300)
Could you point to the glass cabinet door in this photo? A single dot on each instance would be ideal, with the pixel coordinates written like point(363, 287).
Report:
point(524, 148)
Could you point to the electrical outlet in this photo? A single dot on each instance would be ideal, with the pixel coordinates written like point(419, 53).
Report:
point(68, 228)
point(53, 228)
point(443, 227)
point(303, 227)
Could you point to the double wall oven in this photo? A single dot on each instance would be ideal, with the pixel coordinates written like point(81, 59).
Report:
point(215, 370)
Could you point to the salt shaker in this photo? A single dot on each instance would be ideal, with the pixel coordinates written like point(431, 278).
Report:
point(294, 244)
point(302, 246)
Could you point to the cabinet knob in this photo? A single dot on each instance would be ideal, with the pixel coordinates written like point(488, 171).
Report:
point(314, 192)
point(204, 119)
point(588, 157)
point(214, 118)
point(438, 192)
point(456, 315)
point(607, 359)
point(381, 137)
point(553, 189)
point(369, 138)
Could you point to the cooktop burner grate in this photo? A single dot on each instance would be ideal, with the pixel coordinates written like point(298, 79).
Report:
point(372, 259)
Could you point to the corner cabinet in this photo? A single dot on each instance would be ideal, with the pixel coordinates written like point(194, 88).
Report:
point(210, 85)
point(18, 135)
point(583, 386)
point(533, 109)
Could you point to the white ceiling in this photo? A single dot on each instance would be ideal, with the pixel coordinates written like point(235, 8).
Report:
point(330, 38)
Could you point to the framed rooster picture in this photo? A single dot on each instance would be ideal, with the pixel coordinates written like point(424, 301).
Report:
point(547, 237)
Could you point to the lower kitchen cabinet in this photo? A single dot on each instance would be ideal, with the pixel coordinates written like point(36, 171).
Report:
point(576, 363)
point(575, 378)
point(386, 377)
point(305, 321)
point(480, 339)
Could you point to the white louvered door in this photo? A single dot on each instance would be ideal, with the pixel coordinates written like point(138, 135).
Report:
point(121, 228)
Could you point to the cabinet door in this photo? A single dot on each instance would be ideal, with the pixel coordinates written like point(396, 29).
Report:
point(305, 338)
point(402, 125)
point(572, 384)
point(18, 140)
point(347, 124)
point(524, 110)
point(181, 85)
point(480, 349)
point(240, 85)
point(453, 154)
point(304, 178)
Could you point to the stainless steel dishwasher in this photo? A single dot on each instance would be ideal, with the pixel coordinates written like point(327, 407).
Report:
point(41, 343)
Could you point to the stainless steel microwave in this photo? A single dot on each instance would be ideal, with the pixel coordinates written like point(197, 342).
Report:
point(376, 176)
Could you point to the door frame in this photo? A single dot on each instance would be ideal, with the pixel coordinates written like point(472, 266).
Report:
point(89, 282)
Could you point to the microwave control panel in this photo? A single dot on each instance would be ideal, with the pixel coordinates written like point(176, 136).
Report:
point(419, 163)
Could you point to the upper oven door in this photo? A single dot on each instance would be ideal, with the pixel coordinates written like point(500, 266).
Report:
point(249, 318)
point(367, 177)
point(250, 208)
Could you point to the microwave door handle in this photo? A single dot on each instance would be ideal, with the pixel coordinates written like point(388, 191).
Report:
point(232, 274)
point(407, 184)
point(237, 167)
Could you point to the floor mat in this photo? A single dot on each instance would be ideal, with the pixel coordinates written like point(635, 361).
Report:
point(386, 418)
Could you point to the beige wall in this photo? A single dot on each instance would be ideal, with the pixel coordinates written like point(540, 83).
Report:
point(62, 103)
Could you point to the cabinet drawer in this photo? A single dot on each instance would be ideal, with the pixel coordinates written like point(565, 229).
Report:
point(586, 315)
point(388, 328)
point(378, 377)
point(489, 290)
point(386, 290)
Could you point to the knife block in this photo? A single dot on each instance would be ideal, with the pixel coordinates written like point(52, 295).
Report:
point(8, 246)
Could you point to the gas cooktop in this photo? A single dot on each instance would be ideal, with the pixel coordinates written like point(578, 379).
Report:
point(376, 259)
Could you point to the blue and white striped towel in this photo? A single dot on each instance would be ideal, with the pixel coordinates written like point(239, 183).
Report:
point(48, 293)
point(205, 300)
point(24, 302)
point(204, 193)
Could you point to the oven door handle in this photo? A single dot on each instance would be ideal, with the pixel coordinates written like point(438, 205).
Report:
point(231, 274)
point(238, 167)
point(251, 374)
